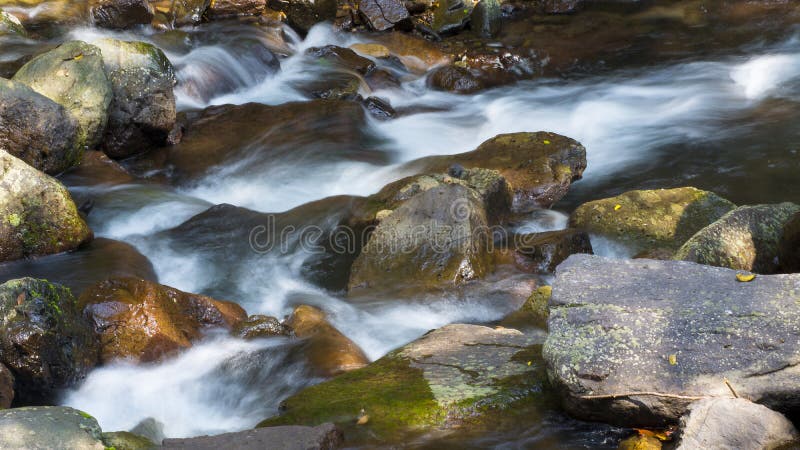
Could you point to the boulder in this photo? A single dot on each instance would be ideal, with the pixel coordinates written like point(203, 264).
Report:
point(634, 342)
point(150, 429)
point(321, 437)
point(542, 252)
point(125, 440)
point(44, 340)
point(534, 312)
point(734, 423)
point(328, 351)
point(454, 79)
point(539, 166)
point(145, 321)
point(485, 18)
point(451, 15)
point(96, 168)
point(336, 85)
point(304, 14)
point(381, 15)
point(72, 75)
point(6, 387)
point(747, 238)
point(142, 113)
point(438, 237)
point(344, 58)
point(121, 14)
point(36, 129)
point(789, 245)
point(458, 375)
point(49, 427)
point(372, 50)
point(232, 8)
point(177, 13)
point(10, 25)
point(92, 263)
point(260, 326)
point(37, 214)
point(645, 220)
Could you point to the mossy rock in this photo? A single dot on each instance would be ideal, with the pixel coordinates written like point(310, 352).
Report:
point(648, 219)
point(125, 440)
point(10, 25)
point(49, 427)
point(534, 312)
point(747, 238)
point(456, 375)
point(73, 76)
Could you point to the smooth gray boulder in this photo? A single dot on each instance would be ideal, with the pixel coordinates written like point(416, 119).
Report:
point(634, 342)
point(733, 424)
point(47, 428)
point(322, 437)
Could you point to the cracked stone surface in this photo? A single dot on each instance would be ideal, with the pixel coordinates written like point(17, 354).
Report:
point(649, 337)
point(49, 427)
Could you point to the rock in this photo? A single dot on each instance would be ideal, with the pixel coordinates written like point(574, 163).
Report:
point(448, 378)
point(333, 86)
point(99, 260)
point(534, 312)
point(382, 79)
point(342, 57)
point(142, 113)
point(485, 18)
point(10, 25)
point(321, 437)
point(381, 15)
point(6, 387)
point(454, 79)
point(372, 50)
point(539, 166)
point(379, 108)
point(645, 220)
point(329, 352)
point(44, 340)
point(451, 15)
point(121, 14)
point(640, 443)
point(438, 237)
point(49, 427)
point(232, 8)
point(37, 214)
point(416, 53)
point(734, 423)
point(36, 129)
point(304, 14)
point(789, 246)
point(634, 342)
point(542, 252)
point(747, 238)
point(144, 321)
point(125, 440)
point(72, 75)
point(177, 13)
point(260, 326)
point(96, 168)
point(150, 429)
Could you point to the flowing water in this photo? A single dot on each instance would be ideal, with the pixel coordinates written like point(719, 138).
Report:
point(725, 122)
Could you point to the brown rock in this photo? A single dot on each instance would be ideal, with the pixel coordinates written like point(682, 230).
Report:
point(454, 79)
point(6, 387)
point(232, 8)
point(542, 252)
point(321, 437)
point(260, 326)
point(382, 14)
point(121, 14)
point(328, 351)
point(146, 321)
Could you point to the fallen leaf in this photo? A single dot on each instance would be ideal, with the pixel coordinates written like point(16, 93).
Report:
point(617, 207)
point(363, 420)
point(745, 277)
point(546, 142)
point(673, 359)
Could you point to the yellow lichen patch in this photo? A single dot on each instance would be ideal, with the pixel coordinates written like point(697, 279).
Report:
point(745, 277)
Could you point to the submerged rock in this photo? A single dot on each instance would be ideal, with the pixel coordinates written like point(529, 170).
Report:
point(37, 214)
point(454, 79)
point(646, 220)
point(72, 75)
point(44, 339)
point(49, 427)
point(747, 238)
point(121, 14)
point(177, 13)
point(322, 437)
point(36, 129)
point(450, 377)
point(6, 387)
point(634, 342)
point(734, 423)
point(142, 113)
point(328, 351)
point(539, 167)
point(144, 321)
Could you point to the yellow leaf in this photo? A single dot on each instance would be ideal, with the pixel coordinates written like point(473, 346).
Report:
point(745, 277)
point(529, 362)
point(78, 57)
point(363, 420)
point(673, 359)
point(617, 207)
point(546, 142)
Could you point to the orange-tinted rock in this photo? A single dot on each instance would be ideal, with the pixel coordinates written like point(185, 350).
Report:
point(327, 350)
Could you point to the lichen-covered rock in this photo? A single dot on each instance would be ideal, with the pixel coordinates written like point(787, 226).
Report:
point(6, 387)
point(734, 423)
point(381, 15)
point(449, 377)
point(542, 252)
point(328, 351)
point(10, 25)
point(37, 214)
point(145, 321)
point(437, 237)
point(125, 440)
point(142, 113)
point(44, 339)
point(644, 220)
point(454, 79)
point(36, 129)
point(304, 14)
point(634, 342)
point(260, 326)
point(72, 75)
point(322, 437)
point(49, 427)
point(539, 166)
point(534, 312)
point(121, 14)
point(747, 238)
